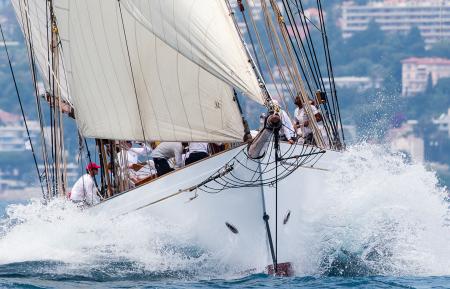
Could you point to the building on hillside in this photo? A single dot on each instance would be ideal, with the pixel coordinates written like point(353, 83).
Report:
point(13, 135)
point(432, 17)
point(416, 71)
point(360, 83)
point(404, 140)
point(443, 123)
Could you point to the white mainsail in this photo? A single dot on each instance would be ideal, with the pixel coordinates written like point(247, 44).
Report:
point(33, 18)
point(166, 71)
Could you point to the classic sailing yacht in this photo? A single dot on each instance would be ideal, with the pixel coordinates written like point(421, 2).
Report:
point(171, 71)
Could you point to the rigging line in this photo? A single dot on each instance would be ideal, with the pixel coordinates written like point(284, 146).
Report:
point(28, 35)
point(331, 68)
point(48, 38)
point(241, 8)
point(134, 82)
point(327, 56)
point(259, 76)
point(309, 40)
point(277, 148)
point(269, 69)
point(284, 32)
point(299, 41)
point(266, 60)
point(282, 24)
point(54, 111)
point(41, 45)
point(22, 111)
point(302, 13)
point(312, 51)
point(310, 44)
point(273, 37)
point(51, 100)
point(322, 25)
point(332, 76)
point(60, 163)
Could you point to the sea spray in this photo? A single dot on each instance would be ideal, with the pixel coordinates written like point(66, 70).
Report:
point(71, 241)
point(380, 215)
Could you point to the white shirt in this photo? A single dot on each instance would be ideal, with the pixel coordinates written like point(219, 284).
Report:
point(198, 147)
point(287, 129)
point(167, 150)
point(302, 117)
point(134, 153)
point(85, 190)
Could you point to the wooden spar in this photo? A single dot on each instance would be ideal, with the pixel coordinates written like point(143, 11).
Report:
point(105, 167)
point(60, 162)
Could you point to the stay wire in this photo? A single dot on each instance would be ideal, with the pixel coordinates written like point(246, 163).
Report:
point(298, 41)
point(30, 48)
point(23, 112)
point(313, 54)
point(332, 73)
point(134, 82)
point(330, 68)
point(305, 55)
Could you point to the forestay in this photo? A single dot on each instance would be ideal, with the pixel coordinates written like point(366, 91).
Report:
point(168, 67)
point(33, 20)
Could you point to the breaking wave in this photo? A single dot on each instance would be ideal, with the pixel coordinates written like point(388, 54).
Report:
point(380, 215)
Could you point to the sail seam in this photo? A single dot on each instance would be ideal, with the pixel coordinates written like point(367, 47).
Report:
point(132, 77)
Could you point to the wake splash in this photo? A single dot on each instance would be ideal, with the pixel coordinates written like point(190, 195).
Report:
point(59, 241)
point(379, 216)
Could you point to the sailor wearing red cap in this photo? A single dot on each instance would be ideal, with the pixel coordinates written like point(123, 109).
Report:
point(84, 190)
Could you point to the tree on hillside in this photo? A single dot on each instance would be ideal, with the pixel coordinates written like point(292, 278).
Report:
point(372, 35)
point(415, 45)
point(440, 49)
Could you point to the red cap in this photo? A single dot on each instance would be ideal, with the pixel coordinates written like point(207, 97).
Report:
point(92, 166)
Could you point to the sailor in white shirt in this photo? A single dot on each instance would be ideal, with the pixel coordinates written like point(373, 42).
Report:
point(84, 190)
point(287, 132)
point(165, 151)
point(197, 151)
point(304, 128)
point(136, 170)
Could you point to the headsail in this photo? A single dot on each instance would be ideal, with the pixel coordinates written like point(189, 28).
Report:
point(160, 68)
point(33, 18)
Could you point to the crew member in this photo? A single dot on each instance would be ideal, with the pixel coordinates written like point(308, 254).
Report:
point(84, 191)
point(302, 121)
point(287, 132)
point(165, 151)
point(197, 151)
point(136, 170)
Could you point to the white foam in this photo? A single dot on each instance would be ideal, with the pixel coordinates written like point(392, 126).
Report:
point(387, 213)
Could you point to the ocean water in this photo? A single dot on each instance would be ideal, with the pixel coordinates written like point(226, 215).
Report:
point(384, 223)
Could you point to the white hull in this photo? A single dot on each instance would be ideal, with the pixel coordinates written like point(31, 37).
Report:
point(205, 217)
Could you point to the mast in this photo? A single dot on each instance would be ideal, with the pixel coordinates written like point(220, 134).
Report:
point(60, 160)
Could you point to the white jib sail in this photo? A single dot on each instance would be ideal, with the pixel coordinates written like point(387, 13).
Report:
point(172, 70)
point(32, 18)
